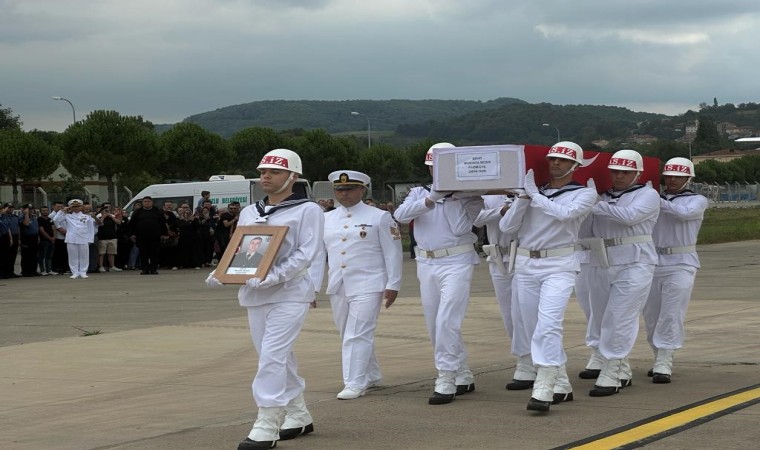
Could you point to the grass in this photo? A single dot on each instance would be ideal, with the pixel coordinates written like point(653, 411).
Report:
point(88, 332)
point(730, 225)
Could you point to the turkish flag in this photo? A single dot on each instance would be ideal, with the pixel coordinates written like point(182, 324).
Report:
point(596, 168)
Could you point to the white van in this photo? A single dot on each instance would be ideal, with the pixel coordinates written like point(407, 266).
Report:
point(224, 190)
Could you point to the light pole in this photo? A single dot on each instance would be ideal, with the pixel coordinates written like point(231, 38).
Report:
point(73, 111)
point(369, 130)
point(548, 125)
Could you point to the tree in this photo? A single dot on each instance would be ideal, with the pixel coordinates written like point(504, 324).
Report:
point(25, 157)
point(110, 145)
point(321, 153)
point(416, 152)
point(8, 121)
point(384, 163)
point(708, 137)
point(250, 144)
point(193, 153)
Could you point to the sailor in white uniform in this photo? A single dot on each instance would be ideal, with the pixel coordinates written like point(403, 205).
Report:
point(277, 305)
point(79, 229)
point(675, 236)
point(622, 272)
point(446, 259)
point(547, 222)
point(364, 257)
point(497, 251)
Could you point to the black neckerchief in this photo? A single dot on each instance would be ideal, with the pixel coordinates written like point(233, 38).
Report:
point(569, 187)
point(429, 188)
point(630, 189)
point(293, 200)
point(684, 193)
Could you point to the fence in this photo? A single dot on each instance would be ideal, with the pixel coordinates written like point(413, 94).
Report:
point(727, 192)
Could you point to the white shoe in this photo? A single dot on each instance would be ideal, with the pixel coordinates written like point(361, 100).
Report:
point(44, 274)
point(74, 277)
point(373, 383)
point(350, 393)
point(101, 269)
point(84, 275)
point(52, 273)
point(115, 269)
point(175, 268)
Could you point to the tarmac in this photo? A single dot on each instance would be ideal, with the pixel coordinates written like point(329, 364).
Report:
point(167, 364)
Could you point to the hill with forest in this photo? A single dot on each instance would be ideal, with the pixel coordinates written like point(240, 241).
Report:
point(335, 116)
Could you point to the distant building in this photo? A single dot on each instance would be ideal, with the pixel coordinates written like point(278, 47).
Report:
point(601, 143)
point(641, 138)
point(724, 155)
point(96, 189)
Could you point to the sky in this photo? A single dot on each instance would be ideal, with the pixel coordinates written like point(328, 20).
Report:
point(168, 59)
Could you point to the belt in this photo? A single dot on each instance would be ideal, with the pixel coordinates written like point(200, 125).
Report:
point(458, 250)
point(490, 247)
point(561, 251)
point(613, 242)
point(676, 250)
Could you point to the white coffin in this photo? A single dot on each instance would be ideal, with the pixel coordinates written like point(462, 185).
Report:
point(490, 167)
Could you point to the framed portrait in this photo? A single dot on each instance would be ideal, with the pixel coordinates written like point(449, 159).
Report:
point(250, 253)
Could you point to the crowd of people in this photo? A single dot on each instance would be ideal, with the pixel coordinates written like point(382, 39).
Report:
point(628, 251)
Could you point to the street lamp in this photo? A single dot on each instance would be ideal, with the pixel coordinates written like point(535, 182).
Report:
point(369, 132)
point(548, 125)
point(73, 111)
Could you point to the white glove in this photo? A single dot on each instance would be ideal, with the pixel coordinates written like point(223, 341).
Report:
point(212, 281)
point(530, 184)
point(590, 183)
point(258, 283)
point(437, 195)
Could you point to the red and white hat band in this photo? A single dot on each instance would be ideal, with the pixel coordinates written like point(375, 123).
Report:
point(563, 151)
point(623, 162)
point(686, 170)
point(274, 161)
point(429, 156)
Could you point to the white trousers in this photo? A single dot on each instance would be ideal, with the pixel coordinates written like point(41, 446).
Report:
point(616, 302)
point(541, 301)
point(445, 294)
point(356, 319)
point(502, 286)
point(582, 293)
point(79, 258)
point(665, 309)
point(274, 329)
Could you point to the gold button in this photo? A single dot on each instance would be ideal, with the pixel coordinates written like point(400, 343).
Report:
point(343, 266)
point(343, 253)
point(343, 239)
point(348, 215)
point(345, 226)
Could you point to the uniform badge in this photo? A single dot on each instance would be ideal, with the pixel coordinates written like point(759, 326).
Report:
point(362, 234)
point(395, 232)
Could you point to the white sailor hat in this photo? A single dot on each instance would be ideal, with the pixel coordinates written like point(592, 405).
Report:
point(75, 202)
point(348, 179)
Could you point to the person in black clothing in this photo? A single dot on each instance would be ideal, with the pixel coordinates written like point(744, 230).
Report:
point(147, 225)
point(207, 225)
point(226, 226)
point(47, 242)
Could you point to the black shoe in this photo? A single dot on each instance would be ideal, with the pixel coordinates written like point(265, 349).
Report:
point(589, 374)
point(626, 383)
point(559, 398)
point(603, 391)
point(650, 373)
point(519, 385)
point(154, 272)
point(440, 399)
point(465, 388)
point(292, 433)
point(144, 272)
point(247, 444)
point(660, 378)
point(538, 405)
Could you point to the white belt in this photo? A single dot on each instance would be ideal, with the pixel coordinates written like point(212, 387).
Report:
point(612, 242)
point(487, 249)
point(458, 250)
point(676, 250)
point(561, 251)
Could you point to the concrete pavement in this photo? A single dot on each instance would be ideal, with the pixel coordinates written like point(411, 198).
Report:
point(173, 364)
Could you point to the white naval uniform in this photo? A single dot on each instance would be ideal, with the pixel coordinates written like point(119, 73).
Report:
point(364, 258)
point(619, 291)
point(489, 217)
point(276, 314)
point(550, 222)
point(80, 232)
point(677, 227)
point(445, 280)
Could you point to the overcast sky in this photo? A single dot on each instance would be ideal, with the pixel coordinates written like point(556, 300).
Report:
point(168, 59)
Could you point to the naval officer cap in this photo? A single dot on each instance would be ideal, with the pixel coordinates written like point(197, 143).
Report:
point(75, 202)
point(348, 179)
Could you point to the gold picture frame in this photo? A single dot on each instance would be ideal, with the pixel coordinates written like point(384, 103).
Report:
point(250, 253)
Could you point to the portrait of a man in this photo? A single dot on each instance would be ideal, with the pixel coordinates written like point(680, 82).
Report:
point(248, 258)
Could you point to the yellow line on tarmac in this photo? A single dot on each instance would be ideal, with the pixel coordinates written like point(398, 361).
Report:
point(673, 421)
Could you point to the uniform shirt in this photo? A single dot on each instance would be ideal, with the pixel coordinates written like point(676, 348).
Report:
point(80, 227)
point(678, 225)
point(363, 246)
point(447, 224)
point(632, 212)
point(12, 222)
point(490, 216)
point(33, 229)
point(302, 245)
point(549, 220)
